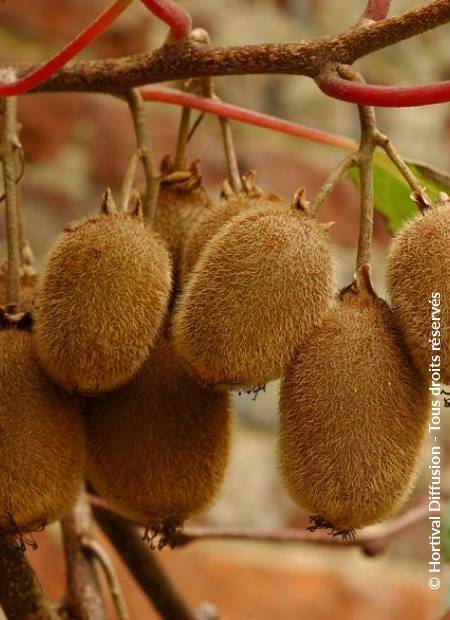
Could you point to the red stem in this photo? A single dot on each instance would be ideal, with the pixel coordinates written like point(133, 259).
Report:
point(48, 68)
point(178, 19)
point(180, 26)
point(385, 96)
point(227, 110)
point(377, 9)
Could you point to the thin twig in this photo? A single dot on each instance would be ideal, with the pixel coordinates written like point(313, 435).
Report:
point(419, 192)
point(21, 595)
point(10, 145)
point(128, 182)
point(144, 566)
point(152, 176)
point(96, 550)
point(329, 184)
point(234, 176)
point(83, 600)
point(371, 541)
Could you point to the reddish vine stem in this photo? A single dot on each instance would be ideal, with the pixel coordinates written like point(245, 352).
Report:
point(175, 17)
point(143, 565)
point(188, 59)
point(384, 96)
point(48, 68)
point(237, 113)
point(9, 148)
point(377, 9)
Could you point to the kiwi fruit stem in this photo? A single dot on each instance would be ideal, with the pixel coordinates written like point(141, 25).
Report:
point(128, 182)
point(329, 184)
point(9, 163)
point(145, 152)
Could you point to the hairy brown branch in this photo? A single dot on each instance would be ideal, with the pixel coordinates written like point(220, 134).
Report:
point(21, 596)
point(190, 59)
point(143, 565)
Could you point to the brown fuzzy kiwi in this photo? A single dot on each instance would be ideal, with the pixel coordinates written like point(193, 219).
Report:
point(418, 282)
point(354, 414)
point(42, 440)
point(181, 200)
point(158, 447)
point(260, 287)
point(210, 221)
point(101, 301)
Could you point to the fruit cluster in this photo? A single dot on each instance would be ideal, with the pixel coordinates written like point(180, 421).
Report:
point(141, 330)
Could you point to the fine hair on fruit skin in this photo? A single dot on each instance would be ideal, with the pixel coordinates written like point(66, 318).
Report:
point(42, 440)
point(101, 301)
point(418, 282)
point(353, 415)
point(210, 221)
point(158, 448)
point(261, 286)
point(181, 200)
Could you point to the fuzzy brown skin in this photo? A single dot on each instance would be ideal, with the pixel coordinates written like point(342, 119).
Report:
point(354, 415)
point(260, 287)
point(210, 221)
point(101, 302)
point(42, 439)
point(417, 266)
point(179, 204)
point(158, 448)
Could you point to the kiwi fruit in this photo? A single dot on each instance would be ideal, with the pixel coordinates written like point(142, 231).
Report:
point(353, 415)
point(418, 282)
point(101, 300)
point(210, 221)
point(260, 287)
point(42, 440)
point(158, 447)
point(181, 199)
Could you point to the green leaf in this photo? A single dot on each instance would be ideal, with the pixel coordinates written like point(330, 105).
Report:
point(393, 194)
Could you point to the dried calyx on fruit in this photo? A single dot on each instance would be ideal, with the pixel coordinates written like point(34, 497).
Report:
point(101, 301)
point(211, 221)
point(181, 199)
point(418, 281)
point(158, 447)
point(42, 439)
point(349, 445)
point(259, 289)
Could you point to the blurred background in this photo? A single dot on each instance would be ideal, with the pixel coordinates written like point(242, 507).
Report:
point(76, 145)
